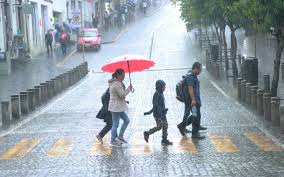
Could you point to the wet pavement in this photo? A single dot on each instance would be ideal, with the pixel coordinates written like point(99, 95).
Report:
point(59, 140)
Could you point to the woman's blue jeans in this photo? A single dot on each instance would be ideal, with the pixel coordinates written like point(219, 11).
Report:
point(115, 123)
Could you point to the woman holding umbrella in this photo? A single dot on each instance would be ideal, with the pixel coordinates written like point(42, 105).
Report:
point(118, 107)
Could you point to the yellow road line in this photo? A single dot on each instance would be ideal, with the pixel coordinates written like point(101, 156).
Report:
point(99, 149)
point(185, 145)
point(139, 146)
point(62, 147)
point(223, 143)
point(263, 142)
point(20, 149)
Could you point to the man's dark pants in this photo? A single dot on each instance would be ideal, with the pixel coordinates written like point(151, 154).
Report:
point(49, 47)
point(194, 120)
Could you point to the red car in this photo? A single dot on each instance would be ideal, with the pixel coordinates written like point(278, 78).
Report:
point(89, 38)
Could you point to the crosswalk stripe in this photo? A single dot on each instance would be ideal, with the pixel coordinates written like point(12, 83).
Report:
point(139, 146)
point(185, 145)
point(99, 149)
point(263, 142)
point(62, 147)
point(20, 149)
point(223, 143)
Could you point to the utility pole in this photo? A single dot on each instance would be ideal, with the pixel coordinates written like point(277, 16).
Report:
point(82, 26)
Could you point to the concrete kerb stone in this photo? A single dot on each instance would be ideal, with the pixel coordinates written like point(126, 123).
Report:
point(6, 114)
point(239, 87)
point(24, 103)
point(38, 95)
point(248, 85)
point(260, 101)
point(243, 90)
point(282, 71)
point(50, 89)
point(43, 93)
point(55, 86)
point(15, 107)
point(282, 118)
point(267, 106)
point(253, 97)
point(59, 86)
point(266, 82)
point(31, 99)
point(275, 111)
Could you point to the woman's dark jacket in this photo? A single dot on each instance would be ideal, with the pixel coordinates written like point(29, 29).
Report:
point(104, 113)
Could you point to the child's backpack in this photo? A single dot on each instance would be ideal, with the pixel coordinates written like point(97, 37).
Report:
point(182, 89)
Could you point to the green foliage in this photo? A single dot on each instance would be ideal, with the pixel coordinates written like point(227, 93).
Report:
point(266, 14)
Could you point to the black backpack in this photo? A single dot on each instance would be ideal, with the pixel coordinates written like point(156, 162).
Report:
point(182, 89)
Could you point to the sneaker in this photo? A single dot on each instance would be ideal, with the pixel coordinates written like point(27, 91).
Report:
point(100, 139)
point(121, 139)
point(181, 130)
point(166, 143)
point(146, 136)
point(202, 128)
point(115, 143)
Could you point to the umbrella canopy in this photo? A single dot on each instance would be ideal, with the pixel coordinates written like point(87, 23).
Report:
point(129, 63)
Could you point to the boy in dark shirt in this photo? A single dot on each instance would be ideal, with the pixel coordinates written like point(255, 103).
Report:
point(159, 111)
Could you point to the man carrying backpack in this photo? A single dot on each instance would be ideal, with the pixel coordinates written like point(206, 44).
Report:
point(192, 101)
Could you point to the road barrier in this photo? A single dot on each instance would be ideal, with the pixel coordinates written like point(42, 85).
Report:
point(6, 115)
point(282, 118)
point(259, 101)
point(28, 101)
point(266, 82)
point(267, 106)
point(248, 85)
point(253, 97)
point(24, 103)
point(275, 111)
point(15, 107)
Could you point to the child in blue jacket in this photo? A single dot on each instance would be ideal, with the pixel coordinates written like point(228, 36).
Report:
point(159, 111)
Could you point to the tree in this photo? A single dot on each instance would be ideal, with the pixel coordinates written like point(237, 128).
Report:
point(268, 16)
point(236, 18)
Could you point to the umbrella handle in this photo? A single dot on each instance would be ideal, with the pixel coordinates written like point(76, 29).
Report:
point(132, 90)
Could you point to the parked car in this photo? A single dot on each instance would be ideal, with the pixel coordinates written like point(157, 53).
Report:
point(89, 38)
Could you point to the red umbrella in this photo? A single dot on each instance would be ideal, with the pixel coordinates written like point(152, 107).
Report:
point(129, 63)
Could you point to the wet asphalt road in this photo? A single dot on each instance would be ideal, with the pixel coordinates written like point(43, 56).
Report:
point(59, 140)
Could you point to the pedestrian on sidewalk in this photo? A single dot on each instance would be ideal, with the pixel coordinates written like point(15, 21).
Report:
point(118, 107)
point(48, 41)
point(159, 111)
point(192, 103)
point(63, 41)
point(104, 114)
